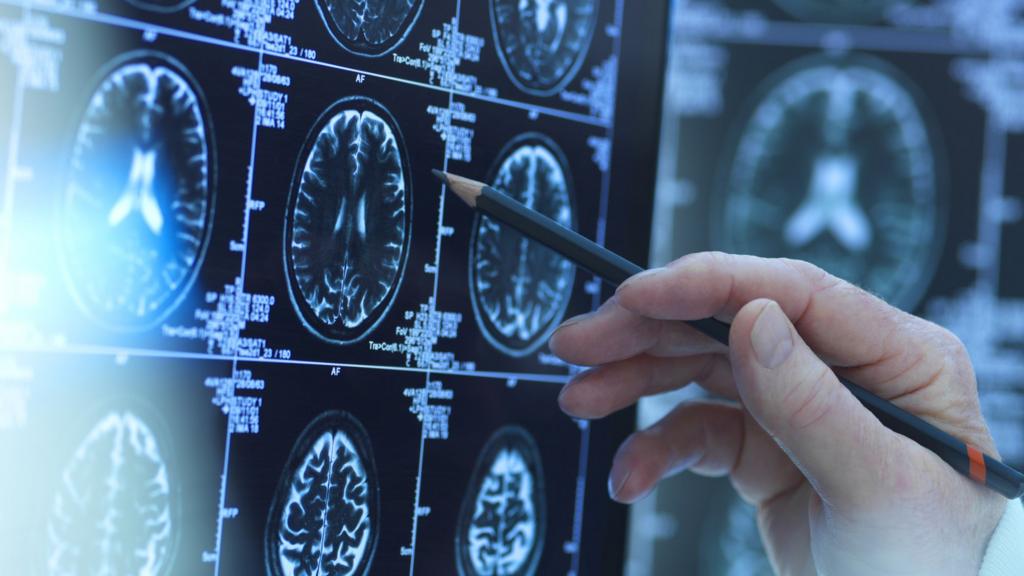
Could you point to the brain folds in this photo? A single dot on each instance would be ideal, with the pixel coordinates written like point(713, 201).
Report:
point(369, 27)
point(348, 234)
point(324, 518)
point(503, 518)
point(113, 513)
point(519, 288)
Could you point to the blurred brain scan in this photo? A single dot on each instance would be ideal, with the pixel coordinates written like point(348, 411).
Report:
point(324, 519)
point(349, 221)
point(542, 43)
point(836, 165)
point(139, 195)
point(369, 27)
point(854, 11)
point(519, 288)
point(114, 510)
point(731, 540)
point(503, 516)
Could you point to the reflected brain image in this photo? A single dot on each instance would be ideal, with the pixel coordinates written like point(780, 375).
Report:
point(347, 237)
point(835, 165)
point(503, 517)
point(542, 43)
point(139, 196)
point(520, 289)
point(369, 27)
point(113, 512)
point(324, 520)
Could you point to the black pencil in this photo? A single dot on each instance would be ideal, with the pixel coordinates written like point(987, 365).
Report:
point(615, 269)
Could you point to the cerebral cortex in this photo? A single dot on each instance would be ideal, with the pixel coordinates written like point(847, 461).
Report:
point(350, 223)
point(324, 519)
point(369, 26)
point(542, 42)
point(113, 512)
point(501, 529)
point(138, 196)
point(521, 288)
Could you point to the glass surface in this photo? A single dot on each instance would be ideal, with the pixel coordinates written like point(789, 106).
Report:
point(244, 330)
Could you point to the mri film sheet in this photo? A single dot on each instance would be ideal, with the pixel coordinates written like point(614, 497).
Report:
point(244, 330)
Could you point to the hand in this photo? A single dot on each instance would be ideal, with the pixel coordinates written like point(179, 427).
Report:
point(836, 491)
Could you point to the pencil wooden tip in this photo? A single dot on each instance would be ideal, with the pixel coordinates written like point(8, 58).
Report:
point(468, 190)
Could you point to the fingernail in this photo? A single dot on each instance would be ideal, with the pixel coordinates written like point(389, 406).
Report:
point(646, 274)
point(771, 338)
point(617, 480)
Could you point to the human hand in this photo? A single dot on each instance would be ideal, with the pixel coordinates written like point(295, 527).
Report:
point(836, 491)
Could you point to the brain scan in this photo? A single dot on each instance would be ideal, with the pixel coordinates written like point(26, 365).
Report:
point(731, 540)
point(324, 518)
point(503, 516)
point(836, 165)
point(839, 10)
point(139, 196)
point(520, 289)
point(541, 43)
point(369, 27)
point(350, 219)
point(113, 513)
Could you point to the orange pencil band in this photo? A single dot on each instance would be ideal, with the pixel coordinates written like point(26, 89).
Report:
point(615, 269)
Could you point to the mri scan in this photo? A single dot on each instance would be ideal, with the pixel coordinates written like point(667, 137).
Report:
point(835, 164)
point(350, 219)
point(503, 516)
point(139, 195)
point(369, 27)
point(114, 510)
point(520, 289)
point(324, 518)
point(542, 43)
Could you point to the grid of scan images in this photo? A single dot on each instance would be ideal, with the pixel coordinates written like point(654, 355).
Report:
point(243, 329)
point(879, 139)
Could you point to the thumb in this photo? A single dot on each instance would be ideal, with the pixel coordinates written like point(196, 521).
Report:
point(840, 447)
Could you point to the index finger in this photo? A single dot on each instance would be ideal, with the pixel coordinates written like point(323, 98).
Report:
point(845, 325)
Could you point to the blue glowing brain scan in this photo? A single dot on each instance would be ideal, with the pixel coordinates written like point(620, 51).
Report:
point(835, 164)
point(503, 516)
point(520, 289)
point(324, 519)
point(347, 237)
point(369, 27)
point(114, 510)
point(139, 195)
point(542, 43)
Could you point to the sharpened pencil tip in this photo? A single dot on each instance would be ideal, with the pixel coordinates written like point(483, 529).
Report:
point(468, 190)
point(440, 175)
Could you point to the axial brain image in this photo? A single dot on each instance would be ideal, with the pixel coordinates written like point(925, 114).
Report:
point(542, 42)
point(324, 519)
point(502, 520)
point(113, 511)
point(350, 220)
point(520, 289)
point(138, 199)
point(369, 27)
point(835, 164)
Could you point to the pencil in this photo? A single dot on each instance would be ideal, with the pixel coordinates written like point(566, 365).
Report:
point(962, 457)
